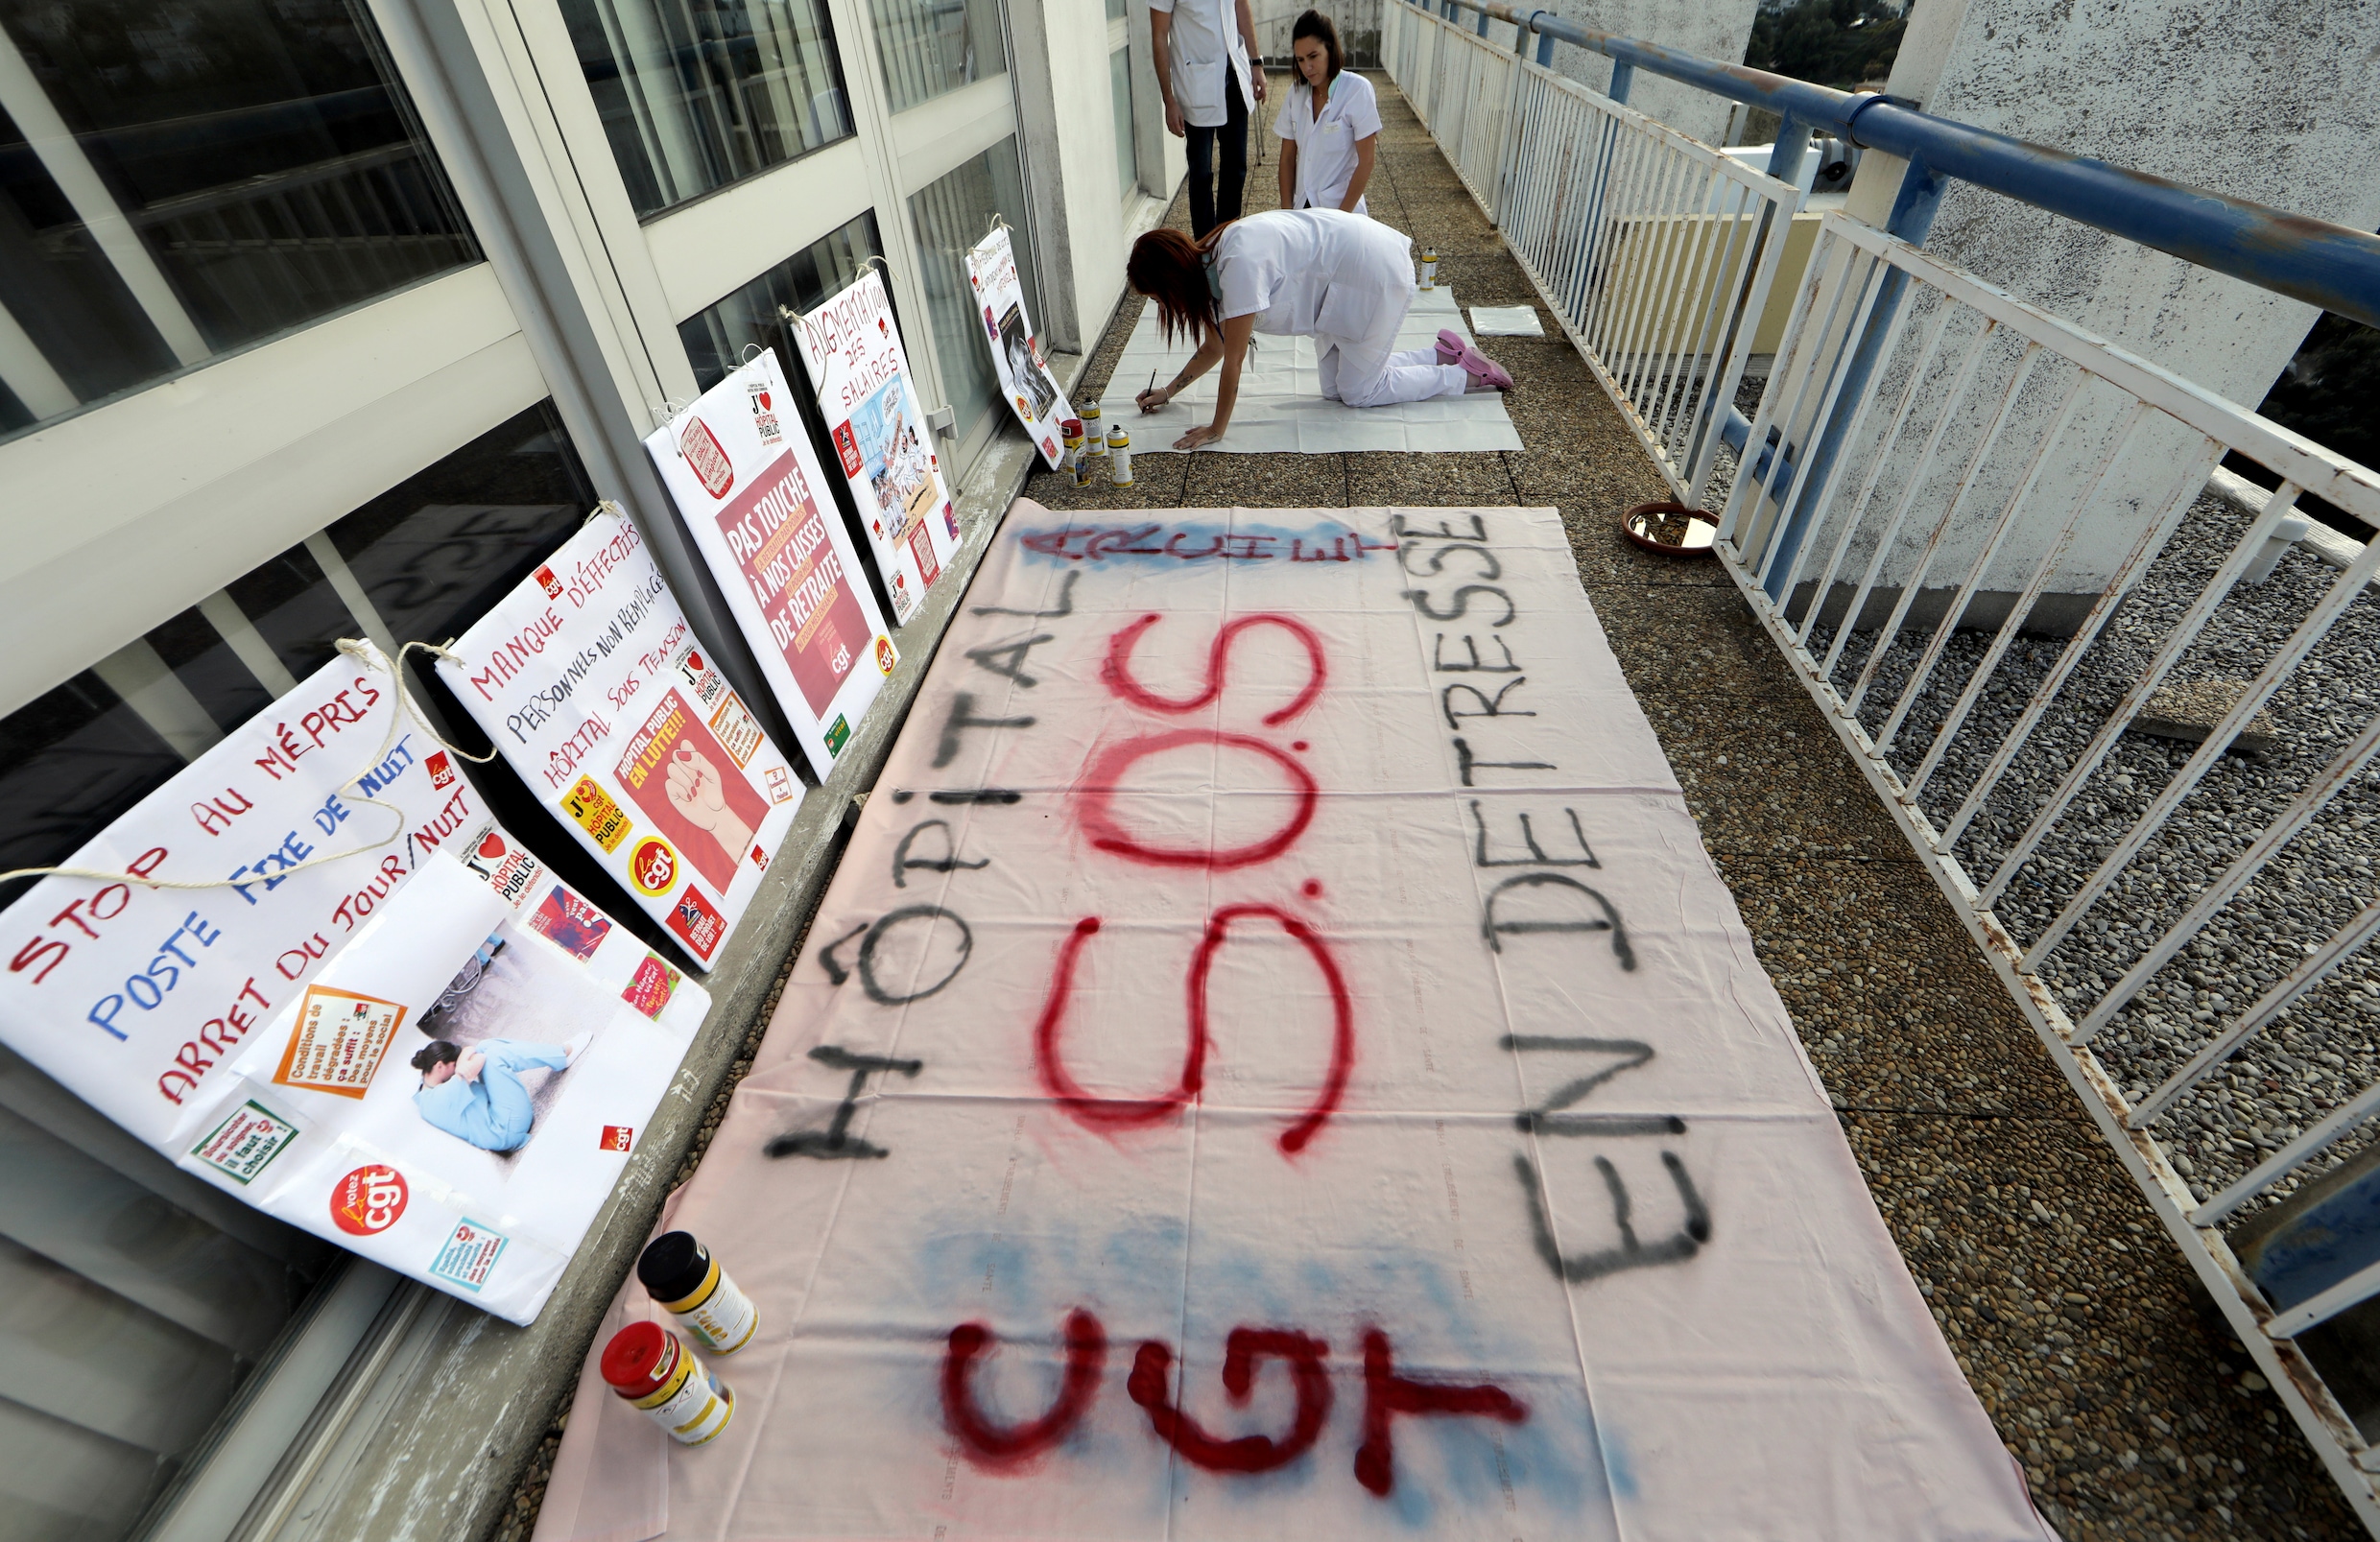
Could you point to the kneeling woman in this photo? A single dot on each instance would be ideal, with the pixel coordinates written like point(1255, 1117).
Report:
point(1339, 278)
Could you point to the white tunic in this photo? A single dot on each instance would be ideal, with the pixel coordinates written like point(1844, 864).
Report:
point(1205, 46)
point(1327, 145)
point(1304, 273)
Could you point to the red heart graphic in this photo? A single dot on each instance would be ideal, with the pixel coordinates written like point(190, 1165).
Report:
point(764, 398)
point(491, 847)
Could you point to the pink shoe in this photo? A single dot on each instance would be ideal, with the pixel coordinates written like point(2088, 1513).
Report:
point(1450, 345)
point(1484, 369)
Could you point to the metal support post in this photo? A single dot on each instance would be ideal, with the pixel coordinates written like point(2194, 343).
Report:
point(1622, 75)
point(1914, 207)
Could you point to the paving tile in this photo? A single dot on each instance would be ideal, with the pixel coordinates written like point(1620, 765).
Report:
point(1377, 478)
point(1218, 481)
point(1897, 1010)
point(1764, 776)
point(1157, 482)
point(1608, 560)
point(1691, 639)
point(2086, 1336)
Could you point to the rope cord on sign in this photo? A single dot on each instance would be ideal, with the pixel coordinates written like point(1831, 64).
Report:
point(371, 657)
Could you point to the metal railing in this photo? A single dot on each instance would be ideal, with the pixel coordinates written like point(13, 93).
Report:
point(1983, 539)
point(1655, 251)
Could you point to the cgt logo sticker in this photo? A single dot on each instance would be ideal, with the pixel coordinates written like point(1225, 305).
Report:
point(367, 1200)
point(653, 867)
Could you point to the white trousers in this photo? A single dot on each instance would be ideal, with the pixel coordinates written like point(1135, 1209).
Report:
point(1364, 371)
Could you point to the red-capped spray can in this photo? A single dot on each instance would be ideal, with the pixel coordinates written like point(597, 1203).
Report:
point(681, 1274)
point(654, 1370)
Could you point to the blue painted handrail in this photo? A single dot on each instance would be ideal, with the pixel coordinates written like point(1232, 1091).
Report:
point(2313, 260)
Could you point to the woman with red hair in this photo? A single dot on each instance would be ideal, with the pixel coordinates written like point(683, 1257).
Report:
point(1339, 278)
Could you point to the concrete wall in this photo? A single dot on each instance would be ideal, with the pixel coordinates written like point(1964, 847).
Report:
point(1715, 28)
point(2277, 100)
point(1083, 224)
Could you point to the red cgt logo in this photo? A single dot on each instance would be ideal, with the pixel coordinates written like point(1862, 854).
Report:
point(367, 1200)
point(552, 585)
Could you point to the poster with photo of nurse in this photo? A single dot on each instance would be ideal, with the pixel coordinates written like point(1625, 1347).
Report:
point(1032, 393)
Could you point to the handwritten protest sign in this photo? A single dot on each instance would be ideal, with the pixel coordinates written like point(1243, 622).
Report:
point(743, 475)
point(1032, 391)
point(883, 449)
point(1276, 1062)
point(356, 908)
point(593, 687)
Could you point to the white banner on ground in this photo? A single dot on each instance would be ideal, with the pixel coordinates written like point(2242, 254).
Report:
point(260, 1031)
point(1032, 391)
point(591, 683)
point(1276, 1062)
point(853, 352)
point(746, 479)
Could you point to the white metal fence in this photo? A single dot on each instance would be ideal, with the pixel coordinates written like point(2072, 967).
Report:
point(1983, 538)
point(1655, 251)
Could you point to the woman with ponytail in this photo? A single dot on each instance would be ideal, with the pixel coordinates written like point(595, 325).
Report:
point(1339, 278)
point(1330, 126)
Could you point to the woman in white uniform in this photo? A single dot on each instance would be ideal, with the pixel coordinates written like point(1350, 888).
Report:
point(1339, 278)
point(1331, 125)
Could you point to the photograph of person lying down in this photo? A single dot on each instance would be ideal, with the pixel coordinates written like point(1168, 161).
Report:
point(501, 1042)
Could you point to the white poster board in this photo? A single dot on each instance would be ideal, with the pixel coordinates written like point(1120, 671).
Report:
point(745, 477)
point(1032, 391)
point(885, 447)
point(591, 683)
point(549, 1032)
point(260, 1030)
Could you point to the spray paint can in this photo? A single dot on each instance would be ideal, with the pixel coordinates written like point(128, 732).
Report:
point(1071, 434)
point(1094, 433)
point(1120, 456)
point(681, 1274)
point(653, 1368)
point(1429, 267)
point(1085, 462)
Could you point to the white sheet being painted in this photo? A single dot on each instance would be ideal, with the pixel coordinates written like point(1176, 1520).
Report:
point(1281, 410)
point(1577, 1155)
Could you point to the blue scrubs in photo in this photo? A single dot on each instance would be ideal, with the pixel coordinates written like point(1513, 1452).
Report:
point(493, 1112)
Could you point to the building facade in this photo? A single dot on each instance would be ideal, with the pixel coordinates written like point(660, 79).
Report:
point(324, 319)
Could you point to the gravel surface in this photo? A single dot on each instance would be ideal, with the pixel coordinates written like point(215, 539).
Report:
point(2324, 1051)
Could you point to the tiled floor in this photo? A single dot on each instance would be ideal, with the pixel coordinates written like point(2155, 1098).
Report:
point(2127, 1401)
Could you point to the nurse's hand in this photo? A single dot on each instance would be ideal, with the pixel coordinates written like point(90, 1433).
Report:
point(1257, 80)
point(1175, 124)
point(1154, 398)
point(1204, 433)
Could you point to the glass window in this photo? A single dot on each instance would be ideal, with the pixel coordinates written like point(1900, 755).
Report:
point(430, 554)
point(177, 182)
point(951, 215)
point(716, 339)
point(1119, 92)
point(1115, 10)
point(695, 94)
point(931, 46)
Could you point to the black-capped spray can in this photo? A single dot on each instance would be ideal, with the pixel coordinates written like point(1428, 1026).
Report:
point(681, 1274)
point(1094, 433)
point(654, 1370)
point(1120, 456)
point(1429, 267)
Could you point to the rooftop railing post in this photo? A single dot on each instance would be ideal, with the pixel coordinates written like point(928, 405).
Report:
point(1482, 24)
point(1913, 206)
point(1623, 77)
point(1546, 48)
point(1793, 142)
